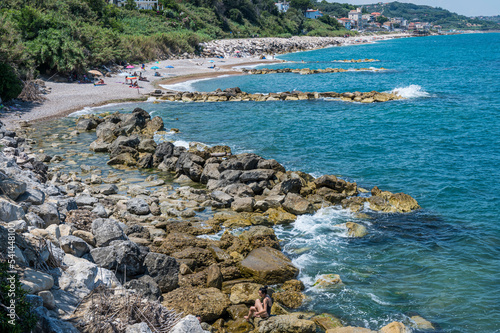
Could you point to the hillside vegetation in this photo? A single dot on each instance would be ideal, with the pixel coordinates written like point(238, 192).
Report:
point(433, 15)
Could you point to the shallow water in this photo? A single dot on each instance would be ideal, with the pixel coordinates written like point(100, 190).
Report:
point(440, 146)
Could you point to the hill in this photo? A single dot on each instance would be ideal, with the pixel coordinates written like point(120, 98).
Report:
point(433, 15)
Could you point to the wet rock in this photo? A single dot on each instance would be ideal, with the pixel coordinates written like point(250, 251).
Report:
point(355, 230)
point(421, 323)
point(209, 303)
point(326, 321)
point(163, 269)
point(328, 281)
point(350, 329)
point(268, 266)
point(138, 328)
point(395, 327)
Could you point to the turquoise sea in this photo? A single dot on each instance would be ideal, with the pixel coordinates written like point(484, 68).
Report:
point(441, 145)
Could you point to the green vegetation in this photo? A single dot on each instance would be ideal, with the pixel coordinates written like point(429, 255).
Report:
point(12, 290)
point(433, 15)
point(48, 36)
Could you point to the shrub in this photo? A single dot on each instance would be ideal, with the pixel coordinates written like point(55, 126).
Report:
point(10, 85)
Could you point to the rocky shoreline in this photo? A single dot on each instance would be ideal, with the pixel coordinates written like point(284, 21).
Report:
point(236, 95)
point(97, 241)
point(307, 71)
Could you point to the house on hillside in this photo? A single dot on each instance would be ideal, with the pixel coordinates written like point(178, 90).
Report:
point(283, 6)
point(141, 4)
point(375, 14)
point(357, 17)
point(313, 14)
point(347, 23)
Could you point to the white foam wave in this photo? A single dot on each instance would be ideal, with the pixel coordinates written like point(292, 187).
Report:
point(377, 300)
point(412, 91)
point(92, 109)
point(188, 85)
point(181, 143)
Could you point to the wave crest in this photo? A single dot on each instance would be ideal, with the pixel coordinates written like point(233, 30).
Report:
point(412, 91)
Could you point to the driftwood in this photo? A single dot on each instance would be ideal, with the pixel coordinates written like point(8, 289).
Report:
point(31, 92)
point(112, 310)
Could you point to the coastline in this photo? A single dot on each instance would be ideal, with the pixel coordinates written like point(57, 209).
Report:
point(66, 98)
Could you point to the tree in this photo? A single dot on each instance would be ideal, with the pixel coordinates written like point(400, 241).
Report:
point(382, 19)
point(130, 5)
point(10, 85)
point(302, 5)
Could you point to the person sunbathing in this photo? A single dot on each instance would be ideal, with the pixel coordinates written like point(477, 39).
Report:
point(262, 307)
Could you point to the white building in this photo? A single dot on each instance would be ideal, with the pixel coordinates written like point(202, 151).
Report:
point(357, 17)
point(141, 4)
point(283, 6)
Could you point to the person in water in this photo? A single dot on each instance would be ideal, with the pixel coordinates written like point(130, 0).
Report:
point(262, 307)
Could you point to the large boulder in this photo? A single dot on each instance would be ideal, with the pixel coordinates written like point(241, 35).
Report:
point(388, 202)
point(12, 188)
point(138, 206)
point(295, 204)
point(74, 245)
point(245, 293)
point(107, 230)
point(350, 329)
point(214, 277)
point(188, 324)
point(34, 281)
point(122, 256)
point(289, 298)
point(10, 212)
point(268, 266)
point(145, 286)
point(209, 303)
point(48, 212)
point(163, 269)
point(286, 324)
point(395, 327)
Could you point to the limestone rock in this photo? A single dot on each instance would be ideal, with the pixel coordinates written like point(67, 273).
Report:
point(145, 286)
point(209, 303)
point(327, 321)
point(73, 245)
point(286, 324)
point(350, 329)
point(48, 299)
point(243, 204)
point(421, 323)
point(268, 266)
point(35, 281)
point(12, 188)
point(138, 328)
point(297, 205)
point(138, 206)
point(290, 299)
point(214, 277)
point(395, 327)
point(122, 256)
point(355, 230)
point(245, 293)
point(107, 230)
point(328, 281)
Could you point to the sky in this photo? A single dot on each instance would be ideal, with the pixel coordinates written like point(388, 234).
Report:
point(463, 7)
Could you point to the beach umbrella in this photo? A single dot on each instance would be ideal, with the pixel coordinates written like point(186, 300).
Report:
point(130, 66)
point(94, 72)
point(169, 66)
point(155, 67)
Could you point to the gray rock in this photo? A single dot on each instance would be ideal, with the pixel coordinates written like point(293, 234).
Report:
point(147, 146)
point(138, 206)
point(256, 175)
point(122, 256)
point(48, 324)
point(243, 204)
point(35, 281)
point(297, 205)
point(85, 200)
point(12, 188)
point(163, 269)
point(34, 220)
point(221, 197)
point(48, 212)
point(34, 300)
point(86, 124)
point(100, 211)
point(128, 141)
point(145, 286)
point(33, 196)
point(163, 150)
point(108, 189)
point(291, 186)
point(210, 171)
point(19, 226)
point(106, 230)
point(74, 245)
point(188, 324)
point(52, 190)
point(10, 212)
point(230, 175)
point(48, 299)
point(138, 328)
point(239, 190)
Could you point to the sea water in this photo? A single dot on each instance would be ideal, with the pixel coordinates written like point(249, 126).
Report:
point(440, 145)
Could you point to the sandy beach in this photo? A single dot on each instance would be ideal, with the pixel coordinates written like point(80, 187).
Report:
point(66, 98)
